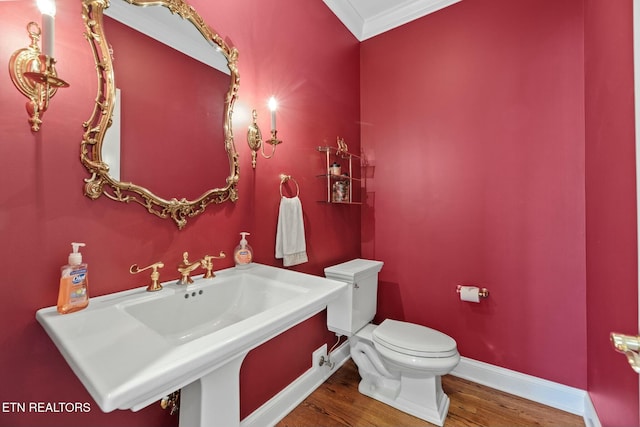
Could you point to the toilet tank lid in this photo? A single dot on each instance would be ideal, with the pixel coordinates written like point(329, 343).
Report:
point(354, 270)
point(410, 338)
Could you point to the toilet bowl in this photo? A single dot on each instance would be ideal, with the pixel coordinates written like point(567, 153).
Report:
point(400, 363)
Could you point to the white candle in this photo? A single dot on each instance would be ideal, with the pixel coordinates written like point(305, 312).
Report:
point(48, 10)
point(48, 35)
point(273, 105)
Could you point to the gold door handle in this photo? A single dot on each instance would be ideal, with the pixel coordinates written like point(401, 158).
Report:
point(629, 346)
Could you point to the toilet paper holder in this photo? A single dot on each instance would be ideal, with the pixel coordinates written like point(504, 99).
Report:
point(482, 292)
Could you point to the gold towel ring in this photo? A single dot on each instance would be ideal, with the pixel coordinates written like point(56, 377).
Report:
point(284, 178)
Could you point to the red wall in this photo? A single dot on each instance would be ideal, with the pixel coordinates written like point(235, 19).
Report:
point(43, 209)
point(508, 151)
point(480, 151)
point(612, 287)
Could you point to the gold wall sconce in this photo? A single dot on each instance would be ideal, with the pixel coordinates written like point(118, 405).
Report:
point(254, 136)
point(33, 71)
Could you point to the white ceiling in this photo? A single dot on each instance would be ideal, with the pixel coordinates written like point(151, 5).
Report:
point(368, 18)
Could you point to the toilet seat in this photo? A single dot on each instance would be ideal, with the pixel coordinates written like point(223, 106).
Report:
point(414, 340)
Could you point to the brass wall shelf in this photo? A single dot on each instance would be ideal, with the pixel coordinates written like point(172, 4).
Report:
point(339, 186)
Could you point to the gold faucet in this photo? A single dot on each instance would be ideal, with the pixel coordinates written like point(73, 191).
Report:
point(207, 263)
point(155, 275)
point(186, 268)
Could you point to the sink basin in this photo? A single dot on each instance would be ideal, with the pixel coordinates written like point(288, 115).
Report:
point(201, 310)
point(131, 348)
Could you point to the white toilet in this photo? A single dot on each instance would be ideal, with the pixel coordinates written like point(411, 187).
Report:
point(400, 363)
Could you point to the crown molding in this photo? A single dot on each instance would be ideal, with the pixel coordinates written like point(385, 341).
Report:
point(364, 27)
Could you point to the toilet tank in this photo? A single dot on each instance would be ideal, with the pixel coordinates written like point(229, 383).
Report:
point(356, 307)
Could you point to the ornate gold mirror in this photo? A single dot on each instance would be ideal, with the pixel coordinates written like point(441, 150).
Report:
point(194, 103)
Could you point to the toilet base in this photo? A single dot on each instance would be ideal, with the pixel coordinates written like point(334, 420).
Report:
point(420, 397)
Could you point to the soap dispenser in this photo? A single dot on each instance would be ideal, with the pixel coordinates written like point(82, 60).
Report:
point(243, 254)
point(74, 280)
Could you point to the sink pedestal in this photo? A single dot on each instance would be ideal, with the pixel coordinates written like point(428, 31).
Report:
point(214, 399)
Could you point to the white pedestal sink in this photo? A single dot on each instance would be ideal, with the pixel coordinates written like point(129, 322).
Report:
point(131, 348)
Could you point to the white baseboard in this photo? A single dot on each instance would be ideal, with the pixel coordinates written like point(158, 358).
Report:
point(284, 402)
point(590, 416)
point(569, 399)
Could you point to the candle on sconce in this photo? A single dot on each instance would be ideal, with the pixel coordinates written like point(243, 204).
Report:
point(273, 105)
point(48, 10)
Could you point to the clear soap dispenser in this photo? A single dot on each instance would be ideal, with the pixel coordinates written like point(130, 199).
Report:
point(74, 282)
point(243, 254)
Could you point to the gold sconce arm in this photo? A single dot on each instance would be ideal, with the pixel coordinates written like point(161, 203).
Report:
point(155, 275)
point(254, 139)
point(34, 75)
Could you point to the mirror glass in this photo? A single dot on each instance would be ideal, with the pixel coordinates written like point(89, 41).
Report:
point(185, 133)
point(175, 82)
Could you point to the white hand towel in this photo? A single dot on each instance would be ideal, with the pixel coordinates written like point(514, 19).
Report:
point(290, 242)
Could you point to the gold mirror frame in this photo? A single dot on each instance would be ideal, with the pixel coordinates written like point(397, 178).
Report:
point(100, 181)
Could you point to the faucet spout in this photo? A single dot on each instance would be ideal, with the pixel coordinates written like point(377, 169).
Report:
point(186, 268)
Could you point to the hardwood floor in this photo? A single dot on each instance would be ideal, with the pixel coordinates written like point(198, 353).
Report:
point(338, 403)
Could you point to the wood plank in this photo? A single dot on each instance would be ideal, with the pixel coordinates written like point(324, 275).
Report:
point(338, 403)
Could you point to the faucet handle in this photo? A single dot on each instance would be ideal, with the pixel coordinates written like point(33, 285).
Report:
point(155, 275)
point(207, 264)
